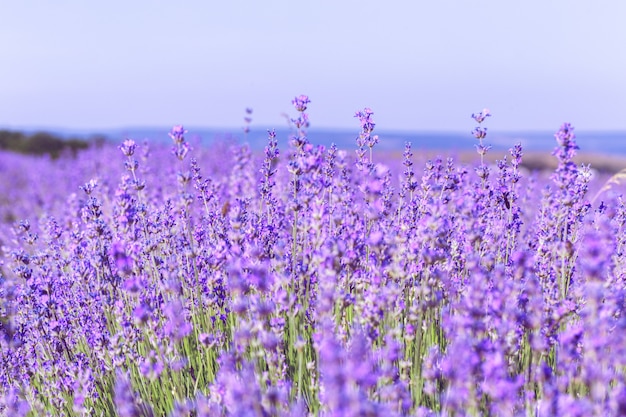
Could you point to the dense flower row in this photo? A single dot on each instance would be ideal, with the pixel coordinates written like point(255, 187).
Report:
point(145, 281)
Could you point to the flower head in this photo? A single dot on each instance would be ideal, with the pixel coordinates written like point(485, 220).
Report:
point(479, 132)
point(152, 366)
point(301, 102)
point(125, 402)
point(178, 134)
point(480, 117)
point(128, 147)
point(365, 117)
point(89, 186)
point(176, 326)
point(122, 261)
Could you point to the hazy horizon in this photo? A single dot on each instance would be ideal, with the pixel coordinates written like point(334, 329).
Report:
point(607, 142)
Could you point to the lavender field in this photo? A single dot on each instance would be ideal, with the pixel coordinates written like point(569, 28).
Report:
point(146, 280)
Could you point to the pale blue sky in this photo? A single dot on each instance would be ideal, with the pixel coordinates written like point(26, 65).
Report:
point(420, 65)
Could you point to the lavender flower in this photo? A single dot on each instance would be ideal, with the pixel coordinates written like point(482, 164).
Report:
point(176, 326)
point(301, 102)
point(12, 405)
point(128, 147)
point(247, 119)
point(181, 147)
point(152, 366)
point(481, 116)
point(178, 134)
point(125, 403)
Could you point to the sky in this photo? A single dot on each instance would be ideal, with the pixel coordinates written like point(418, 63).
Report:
point(419, 65)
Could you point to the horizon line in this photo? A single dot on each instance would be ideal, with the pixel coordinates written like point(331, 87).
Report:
point(229, 129)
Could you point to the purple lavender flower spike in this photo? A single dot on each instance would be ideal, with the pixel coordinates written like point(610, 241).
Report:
point(152, 366)
point(177, 327)
point(301, 102)
point(479, 132)
point(480, 117)
point(12, 405)
point(125, 403)
point(128, 147)
point(178, 134)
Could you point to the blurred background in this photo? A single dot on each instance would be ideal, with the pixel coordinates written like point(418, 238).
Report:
point(135, 68)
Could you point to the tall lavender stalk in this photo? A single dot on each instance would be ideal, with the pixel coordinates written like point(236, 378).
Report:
point(480, 133)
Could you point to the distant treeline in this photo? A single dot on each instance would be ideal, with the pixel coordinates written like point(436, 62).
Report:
point(42, 143)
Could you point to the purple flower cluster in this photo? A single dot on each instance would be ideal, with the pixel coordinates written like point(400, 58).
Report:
point(365, 138)
point(304, 281)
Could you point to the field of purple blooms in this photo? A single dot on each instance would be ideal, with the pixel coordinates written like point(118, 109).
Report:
point(145, 280)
